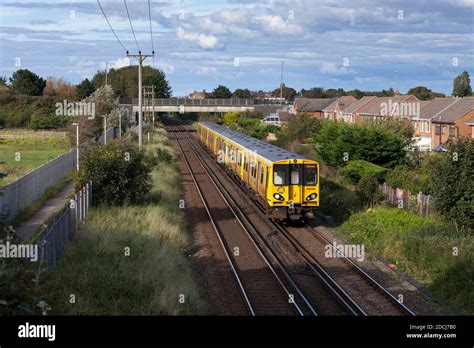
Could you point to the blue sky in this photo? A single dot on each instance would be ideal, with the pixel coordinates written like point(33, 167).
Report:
point(241, 43)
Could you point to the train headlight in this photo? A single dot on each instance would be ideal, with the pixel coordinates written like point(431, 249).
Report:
point(278, 196)
point(312, 196)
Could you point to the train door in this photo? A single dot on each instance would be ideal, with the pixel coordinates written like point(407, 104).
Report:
point(296, 183)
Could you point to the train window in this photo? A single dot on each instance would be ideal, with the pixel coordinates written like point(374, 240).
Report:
point(280, 174)
point(295, 174)
point(310, 174)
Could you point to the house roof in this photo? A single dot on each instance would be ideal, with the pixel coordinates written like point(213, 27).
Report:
point(430, 108)
point(353, 107)
point(266, 150)
point(342, 102)
point(312, 104)
point(375, 106)
point(453, 112)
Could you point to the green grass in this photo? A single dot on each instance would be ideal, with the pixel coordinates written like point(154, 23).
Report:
point(33, 153)
point(422, 247)
point(148, 282)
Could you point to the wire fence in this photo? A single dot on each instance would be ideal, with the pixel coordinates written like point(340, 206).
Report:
point(420, 203)
point(58, 233)
point(23, 192)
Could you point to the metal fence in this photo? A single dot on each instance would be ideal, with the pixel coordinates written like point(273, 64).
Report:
point(111, 133)
point(24, 191)
point(405, 200)
point(191, 102)
point(56, 236)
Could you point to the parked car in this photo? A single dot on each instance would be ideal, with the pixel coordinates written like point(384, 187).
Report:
point(272, 119)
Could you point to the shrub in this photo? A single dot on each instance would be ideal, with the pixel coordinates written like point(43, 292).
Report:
point(452, 186)
point(357, 169)
point(118, 173)
point(368, 191)
point(337, 142)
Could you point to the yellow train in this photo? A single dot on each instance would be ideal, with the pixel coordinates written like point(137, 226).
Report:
point(285, 183)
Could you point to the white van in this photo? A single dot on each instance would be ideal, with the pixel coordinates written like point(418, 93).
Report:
point(272, 119)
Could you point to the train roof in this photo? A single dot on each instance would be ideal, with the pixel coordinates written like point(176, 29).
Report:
point(269, 151)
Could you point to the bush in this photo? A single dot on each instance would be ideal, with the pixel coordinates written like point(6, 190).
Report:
point(452, 186)
point(118, 173)
point(368, 191)
point(338, 142)
point(357, 169)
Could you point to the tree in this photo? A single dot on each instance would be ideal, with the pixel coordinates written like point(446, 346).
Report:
point(116, 181)
point(242, 94)
point(315, 92)
point(124, 81)
point(3, 80)
point(462, 85)
point(60, 88)
point(26, 82)
point(229, 118)
point(221, 92)
point(288, 92)
point(338, 143)
point(299, 128)
point(368, 191)
point(451, 182)
point(84, 89)
point(424, 93)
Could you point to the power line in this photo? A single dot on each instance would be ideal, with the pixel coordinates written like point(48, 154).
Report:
point(151, 29)
point(120, 42)
point(131, 26)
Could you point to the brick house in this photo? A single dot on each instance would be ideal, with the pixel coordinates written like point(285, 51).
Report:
point(452, 122)
point(400, 106)
point(422, 122)
point(349, 112)
point(312, 106)
point(334, 110)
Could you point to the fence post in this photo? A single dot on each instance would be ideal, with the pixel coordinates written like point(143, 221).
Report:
point(72, 205)
point(80, 205)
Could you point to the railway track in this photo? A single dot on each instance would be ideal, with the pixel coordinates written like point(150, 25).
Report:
point(353, 288)
point(265, 286)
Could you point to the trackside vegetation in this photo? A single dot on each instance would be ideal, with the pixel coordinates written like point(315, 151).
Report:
point(131, 259)
point(430, 250)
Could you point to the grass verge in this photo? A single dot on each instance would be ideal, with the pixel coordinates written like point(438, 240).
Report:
point(433, 252)
point(156, 277)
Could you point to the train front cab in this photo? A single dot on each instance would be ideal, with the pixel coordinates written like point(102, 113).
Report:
point(294, 189)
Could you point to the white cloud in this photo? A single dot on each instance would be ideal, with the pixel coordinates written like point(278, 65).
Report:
point(206, 71)
point(201, 40)
point(332, 69)
point(276, 24)
point(119, 63)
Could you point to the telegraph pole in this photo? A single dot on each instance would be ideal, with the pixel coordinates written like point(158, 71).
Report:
point(106, 71)
point(281, 81)
point(140, 58)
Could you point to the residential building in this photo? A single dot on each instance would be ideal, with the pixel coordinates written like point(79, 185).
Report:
point(349, 112)
point(312, 106)
point(400, 106)
point(422, 123)
point(452, 122)
point(334, 110)
point(197, 95)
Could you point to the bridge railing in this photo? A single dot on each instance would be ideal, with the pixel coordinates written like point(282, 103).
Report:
point(192, 102)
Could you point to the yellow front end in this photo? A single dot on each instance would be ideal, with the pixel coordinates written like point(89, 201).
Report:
point(294, 188)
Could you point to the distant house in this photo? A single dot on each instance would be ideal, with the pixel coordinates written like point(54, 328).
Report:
point(312, 106)
point(422, 122)
point(349, 112)
point(453, 122)
point(334, 110)
point(198, 95)
point(400, 106)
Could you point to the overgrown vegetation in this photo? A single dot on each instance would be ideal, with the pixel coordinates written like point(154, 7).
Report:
point(357, 169)
point(155, 279)
point(337, 143)
point(432, 251)
point(118, 173)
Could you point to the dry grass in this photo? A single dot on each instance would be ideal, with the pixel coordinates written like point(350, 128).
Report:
point(148, 282)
